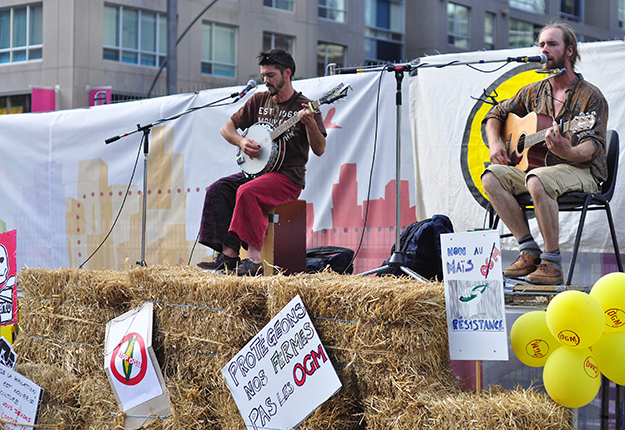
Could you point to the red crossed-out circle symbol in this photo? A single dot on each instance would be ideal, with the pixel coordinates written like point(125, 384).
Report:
point(121, 358)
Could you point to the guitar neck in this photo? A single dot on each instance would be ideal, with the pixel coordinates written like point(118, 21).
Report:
point(282, 128)
point(539, 136)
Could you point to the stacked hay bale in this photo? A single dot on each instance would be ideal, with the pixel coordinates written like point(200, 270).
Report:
point(387, 338)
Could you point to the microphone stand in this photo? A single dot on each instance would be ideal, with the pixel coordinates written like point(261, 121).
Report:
point(397, 260)
point(145, 129)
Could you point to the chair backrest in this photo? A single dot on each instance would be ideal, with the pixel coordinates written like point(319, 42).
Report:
point(612, 150)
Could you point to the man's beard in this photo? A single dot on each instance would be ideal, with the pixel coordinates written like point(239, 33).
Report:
point(556, 63)
point(275, 90)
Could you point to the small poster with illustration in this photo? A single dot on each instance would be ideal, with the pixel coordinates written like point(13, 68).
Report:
point(474, 297)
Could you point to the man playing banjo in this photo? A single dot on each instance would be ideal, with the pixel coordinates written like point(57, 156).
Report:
point(235, 207)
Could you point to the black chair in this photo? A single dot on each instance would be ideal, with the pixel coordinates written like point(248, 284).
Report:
point(582, 202)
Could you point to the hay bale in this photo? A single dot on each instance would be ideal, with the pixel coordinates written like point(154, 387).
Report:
point(387, 338)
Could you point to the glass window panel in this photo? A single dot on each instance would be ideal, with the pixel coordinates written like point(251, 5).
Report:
point(370, 13)
point(148, 60)
point(19, 55)
point(207, 41)
point(111, 26)
point(130, 33)
point(36, 25)
point(284, 4)
point(268, 3)
point(19, 27)
point(521, 34)
point(148, 32)
point(383, 19)
point(223, 70)
point(5, 57)
point(35, 54)
point(207, 68)
point(224, 44)
point(111, 54)
point(162, 34)
point(397, 17)
point(267, 42)
point(130, 57)
point(489, 30)
point(5, 29)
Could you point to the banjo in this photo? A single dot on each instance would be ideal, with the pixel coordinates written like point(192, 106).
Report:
point(273, 149)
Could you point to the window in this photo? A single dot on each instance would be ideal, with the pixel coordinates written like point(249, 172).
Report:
point(458, 25)
point(21, 33)
point(329, 53)
point(621, 13)
point(384, 30)
point(134, 36)
point(521, 34)
point(219, 49)
point(273, 40)
point(537, 6)
point(572, 9)
point(489, 30)
point(334, 10)
point(15, 104)
point(280, 4)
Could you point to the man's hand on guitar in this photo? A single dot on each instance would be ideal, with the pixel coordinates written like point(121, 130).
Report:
point(498, 154)
point(250, 148)
point(306, 116)
point(558, 143)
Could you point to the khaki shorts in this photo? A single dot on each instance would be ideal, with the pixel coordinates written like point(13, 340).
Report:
point(557, 180)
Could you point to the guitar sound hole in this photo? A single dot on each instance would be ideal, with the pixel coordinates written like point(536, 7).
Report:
point(521, 144)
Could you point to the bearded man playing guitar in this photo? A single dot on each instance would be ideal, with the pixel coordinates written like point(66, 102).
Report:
point(235, 207)
point(574, 162)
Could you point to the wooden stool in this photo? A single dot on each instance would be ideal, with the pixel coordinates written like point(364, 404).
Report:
point(285, 243)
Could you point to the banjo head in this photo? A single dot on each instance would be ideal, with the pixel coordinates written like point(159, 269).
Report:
point(261, 134)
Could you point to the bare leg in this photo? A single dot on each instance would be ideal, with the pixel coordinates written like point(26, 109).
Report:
point(230, 252)
point(546, 210)
point(253, 254)
point(505, 205)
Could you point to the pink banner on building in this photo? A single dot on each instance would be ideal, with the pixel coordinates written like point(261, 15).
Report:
point(43, 100)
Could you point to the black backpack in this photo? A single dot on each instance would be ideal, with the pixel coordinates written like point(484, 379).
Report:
point(338, 258)
point(420, 243)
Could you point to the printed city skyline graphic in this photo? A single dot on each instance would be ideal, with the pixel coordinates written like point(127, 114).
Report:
point(89, 216)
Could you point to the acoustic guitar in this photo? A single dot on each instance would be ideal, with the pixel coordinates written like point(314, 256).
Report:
point(524, 138)
point(272, 149)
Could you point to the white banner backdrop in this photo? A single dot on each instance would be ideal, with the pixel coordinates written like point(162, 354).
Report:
point(62, 186)
point(450, 152)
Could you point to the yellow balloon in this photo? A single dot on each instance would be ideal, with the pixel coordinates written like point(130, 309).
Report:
point(571, 377)
point(575, 319)
point(609, 291)
point(610, 354)
point(531, 340)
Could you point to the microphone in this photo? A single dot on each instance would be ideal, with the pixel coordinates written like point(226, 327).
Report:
point(251, 84)
point(542, 59)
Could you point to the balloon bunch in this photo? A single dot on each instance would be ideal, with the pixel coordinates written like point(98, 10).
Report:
point(578, 338)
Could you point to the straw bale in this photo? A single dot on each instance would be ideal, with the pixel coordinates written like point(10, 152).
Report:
point(386, 336)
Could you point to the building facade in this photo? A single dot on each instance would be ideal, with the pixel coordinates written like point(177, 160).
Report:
point(62, 54)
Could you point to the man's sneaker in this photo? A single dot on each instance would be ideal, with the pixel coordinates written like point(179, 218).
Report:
point(546, 274)
point(248, 268)
point(222, 262)
point(522, 266)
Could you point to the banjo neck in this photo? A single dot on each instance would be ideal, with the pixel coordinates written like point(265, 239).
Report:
point(282, 128)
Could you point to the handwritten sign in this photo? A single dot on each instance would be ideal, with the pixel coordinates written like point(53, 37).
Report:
point(476, 315)
point(283, 374)
point(19, 400)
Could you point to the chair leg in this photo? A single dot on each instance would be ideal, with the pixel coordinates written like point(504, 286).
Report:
point(578, 237)
point(617, 252)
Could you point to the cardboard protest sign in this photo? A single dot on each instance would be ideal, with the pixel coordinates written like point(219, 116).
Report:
point(476, 315)
point(8, 280)
point(131, 365)
point(19, 400)
point(283, 374)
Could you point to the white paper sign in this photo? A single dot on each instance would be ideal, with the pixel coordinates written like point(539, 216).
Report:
point(19, 400)
point(127, 360)
point(283, 374)
point(474, 298)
